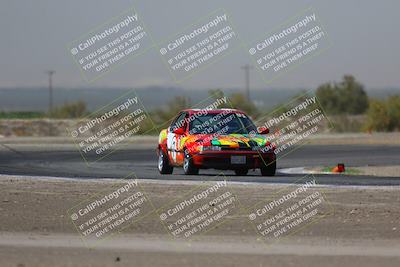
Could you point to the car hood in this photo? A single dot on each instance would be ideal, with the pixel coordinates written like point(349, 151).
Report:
point(230, 140)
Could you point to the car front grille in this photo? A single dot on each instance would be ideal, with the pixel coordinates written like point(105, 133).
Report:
point(242, 147)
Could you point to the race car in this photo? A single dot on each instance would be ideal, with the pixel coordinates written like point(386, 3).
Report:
point(224, 139)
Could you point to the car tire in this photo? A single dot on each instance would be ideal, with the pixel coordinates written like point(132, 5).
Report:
point(163, 164)
point(269, 170)
point(241, 172)
point(188, 166)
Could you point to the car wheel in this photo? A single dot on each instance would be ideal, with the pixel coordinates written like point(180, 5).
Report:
point(163, 164)
point(269, 170)
point(188, 166)
point(241, 172)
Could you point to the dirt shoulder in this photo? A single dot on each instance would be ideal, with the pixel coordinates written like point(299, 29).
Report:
point(150, 140)
point(40, 205)
point(388, 171)
point(376, 171)
point(360, 227)
point(356, 139)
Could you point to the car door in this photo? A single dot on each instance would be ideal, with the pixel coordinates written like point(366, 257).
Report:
point(175, 152)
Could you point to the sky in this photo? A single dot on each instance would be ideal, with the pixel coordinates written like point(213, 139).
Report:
point(364, 34)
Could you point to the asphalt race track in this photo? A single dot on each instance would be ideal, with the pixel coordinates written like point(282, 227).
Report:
point(60, 161)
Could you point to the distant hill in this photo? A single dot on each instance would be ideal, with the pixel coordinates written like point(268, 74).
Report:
point(36, 99)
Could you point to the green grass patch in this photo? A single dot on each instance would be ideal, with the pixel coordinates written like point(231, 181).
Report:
point(21, 115)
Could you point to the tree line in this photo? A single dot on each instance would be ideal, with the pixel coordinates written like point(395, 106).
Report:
point(343, 100)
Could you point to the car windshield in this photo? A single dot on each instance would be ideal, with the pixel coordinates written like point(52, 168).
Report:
point(223, 123)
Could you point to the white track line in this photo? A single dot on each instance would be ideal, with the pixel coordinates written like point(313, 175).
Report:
point(184, 182)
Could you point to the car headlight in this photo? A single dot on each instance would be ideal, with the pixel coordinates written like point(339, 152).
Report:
point(210, 148)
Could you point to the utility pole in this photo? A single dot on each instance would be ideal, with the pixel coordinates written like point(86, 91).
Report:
point(50, 73)
point(247, 69)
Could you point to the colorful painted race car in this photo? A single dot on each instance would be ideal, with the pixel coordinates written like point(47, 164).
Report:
point(224, 139)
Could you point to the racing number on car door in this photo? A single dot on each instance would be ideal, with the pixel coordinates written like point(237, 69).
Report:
point(171, 145)
point(173, 140)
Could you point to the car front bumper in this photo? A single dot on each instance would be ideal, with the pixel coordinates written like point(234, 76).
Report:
point(222, 159)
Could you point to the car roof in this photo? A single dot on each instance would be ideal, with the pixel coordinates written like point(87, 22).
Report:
point(214, 111)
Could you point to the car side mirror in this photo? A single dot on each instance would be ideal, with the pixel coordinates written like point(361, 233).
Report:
point(179, 131)
point(263, 130)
